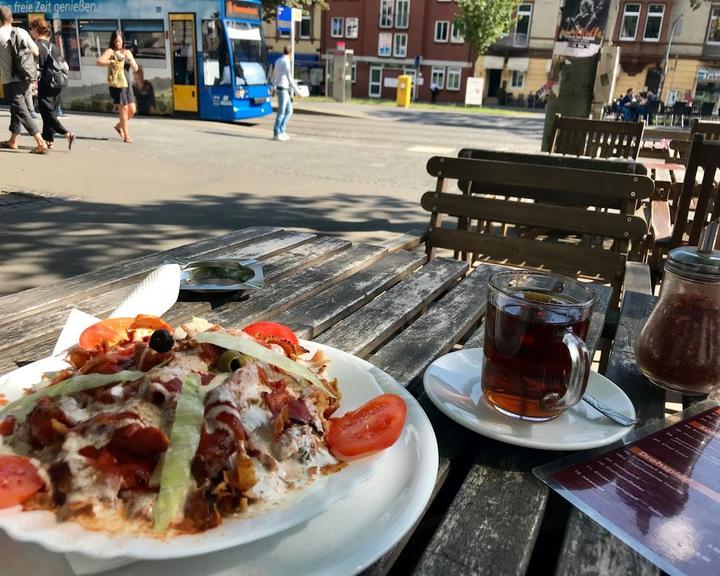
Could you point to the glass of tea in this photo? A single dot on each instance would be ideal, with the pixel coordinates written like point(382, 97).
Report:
point(536, 362)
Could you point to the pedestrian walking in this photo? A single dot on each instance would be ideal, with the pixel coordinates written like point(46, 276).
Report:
point(114, 58)
point(17, 71)
point(434, 91)
point(53, 77)
point(283, 83)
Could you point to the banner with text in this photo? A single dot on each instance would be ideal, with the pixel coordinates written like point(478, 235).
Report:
point(582, 25)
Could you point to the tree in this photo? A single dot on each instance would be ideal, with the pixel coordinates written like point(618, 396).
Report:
point(482, 22)
point(270, 6)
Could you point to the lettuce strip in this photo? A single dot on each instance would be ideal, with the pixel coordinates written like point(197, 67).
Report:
point(176, 475)
point(23, 406)
point(260, 352)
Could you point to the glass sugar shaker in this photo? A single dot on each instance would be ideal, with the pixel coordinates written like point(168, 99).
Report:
point(679, 347)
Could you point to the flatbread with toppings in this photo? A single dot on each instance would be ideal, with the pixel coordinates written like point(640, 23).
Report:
point(163, 431)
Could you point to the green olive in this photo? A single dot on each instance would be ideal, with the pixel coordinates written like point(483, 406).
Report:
point(229, 361)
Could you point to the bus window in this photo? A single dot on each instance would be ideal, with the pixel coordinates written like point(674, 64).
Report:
point(216, 60)
point(248, 53)
point(95, 37)
point(145, 38)
point(66, 37)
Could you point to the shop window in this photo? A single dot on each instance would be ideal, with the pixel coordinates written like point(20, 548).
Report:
point(216, 59)
point(517, 80)
point(455, 36)
point(713, 36)
point(94, 37)
point(631, 15)
point(306, 25)
point(375, 89)
point(442, 30)
point(67, 40)
point(385, 40)
point(522, 25)
point(402, 13)
point(352, 26)
point(454, 76)
point(653, 24)
point(145, 38)
point(400, 45)
point(386, 13)
point(437, 76)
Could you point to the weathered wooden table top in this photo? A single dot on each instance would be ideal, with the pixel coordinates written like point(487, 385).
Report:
point(386, 303)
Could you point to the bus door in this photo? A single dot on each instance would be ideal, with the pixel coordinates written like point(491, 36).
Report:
point(184, 59)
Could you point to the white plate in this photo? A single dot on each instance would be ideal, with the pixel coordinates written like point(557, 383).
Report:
point(453, 383)
point(401, 477)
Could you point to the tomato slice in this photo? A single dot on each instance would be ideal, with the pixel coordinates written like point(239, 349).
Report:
point(376, 425)
point(19, 480)
point(150, 323)
point(113, 330)
point(110, 331)
point(271, 331)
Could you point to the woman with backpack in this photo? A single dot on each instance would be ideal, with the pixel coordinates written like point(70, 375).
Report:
point(115, 58)
point(53, 76)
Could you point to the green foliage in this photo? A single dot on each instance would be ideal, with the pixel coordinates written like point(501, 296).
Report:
point(270, 6)
point(482, 22)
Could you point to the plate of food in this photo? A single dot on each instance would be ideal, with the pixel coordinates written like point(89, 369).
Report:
point(193, 437)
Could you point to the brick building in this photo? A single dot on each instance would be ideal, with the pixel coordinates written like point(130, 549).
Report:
point(393, 37)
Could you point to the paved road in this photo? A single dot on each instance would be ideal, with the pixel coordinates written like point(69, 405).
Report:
point(360, 177)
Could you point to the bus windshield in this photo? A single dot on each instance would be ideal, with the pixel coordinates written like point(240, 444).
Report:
point(248, 52)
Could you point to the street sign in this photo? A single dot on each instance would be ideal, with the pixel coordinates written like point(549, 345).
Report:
point(284, 19)
point(297, 15)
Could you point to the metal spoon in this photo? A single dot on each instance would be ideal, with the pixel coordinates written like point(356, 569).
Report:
point(613, 415)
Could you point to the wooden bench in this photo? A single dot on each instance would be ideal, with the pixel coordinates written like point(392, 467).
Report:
point(547, 197)
point(596, 138)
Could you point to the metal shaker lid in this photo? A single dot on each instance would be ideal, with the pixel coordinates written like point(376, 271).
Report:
point(701, 262)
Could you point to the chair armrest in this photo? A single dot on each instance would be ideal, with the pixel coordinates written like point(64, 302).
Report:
point(637, 278)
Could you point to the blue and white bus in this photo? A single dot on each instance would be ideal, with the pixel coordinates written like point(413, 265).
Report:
point(202, 57)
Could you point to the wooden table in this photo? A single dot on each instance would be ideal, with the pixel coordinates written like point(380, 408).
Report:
point(387, 304)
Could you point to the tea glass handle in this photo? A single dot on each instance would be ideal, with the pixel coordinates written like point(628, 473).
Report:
point(580, 366)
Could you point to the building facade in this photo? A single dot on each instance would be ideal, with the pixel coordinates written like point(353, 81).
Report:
point(393, 37)
point(519, 62)
point(643, 32)
point(308, 39)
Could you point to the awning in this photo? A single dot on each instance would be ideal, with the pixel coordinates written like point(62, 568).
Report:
point(494, 62)
point(519, 64)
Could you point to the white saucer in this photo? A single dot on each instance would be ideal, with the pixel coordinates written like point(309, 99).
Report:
point(453, 383)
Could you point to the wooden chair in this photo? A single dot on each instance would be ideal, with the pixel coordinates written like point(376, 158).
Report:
point(626, 166)
point(596, 138)
point(680, 147)
point(702, 201)
point(539, 196)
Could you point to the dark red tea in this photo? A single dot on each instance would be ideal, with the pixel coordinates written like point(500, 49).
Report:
point(526, 363)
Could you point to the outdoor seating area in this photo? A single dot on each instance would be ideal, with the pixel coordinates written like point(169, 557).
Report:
point(511, 329)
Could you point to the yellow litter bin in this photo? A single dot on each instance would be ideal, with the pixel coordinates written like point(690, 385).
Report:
point(404, 90)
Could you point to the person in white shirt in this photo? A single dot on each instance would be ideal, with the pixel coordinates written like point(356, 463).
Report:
point(14, 88)
point(282, 83)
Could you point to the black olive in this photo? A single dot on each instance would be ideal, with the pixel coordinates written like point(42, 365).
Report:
point(161, 341)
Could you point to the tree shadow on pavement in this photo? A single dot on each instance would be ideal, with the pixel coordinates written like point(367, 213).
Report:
point(71, 237)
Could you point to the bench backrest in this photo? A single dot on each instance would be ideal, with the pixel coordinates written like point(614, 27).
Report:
point(529, 200)
point(596, 138)
point(704, 155)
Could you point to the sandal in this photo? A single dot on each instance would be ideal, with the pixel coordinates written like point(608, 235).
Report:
point(39, 150)
point(129, 141)
point(49, 145)
point(70, 139)
point(119, 131)
point(6, 145)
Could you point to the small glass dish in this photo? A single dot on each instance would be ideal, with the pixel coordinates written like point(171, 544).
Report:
point(221, 275)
